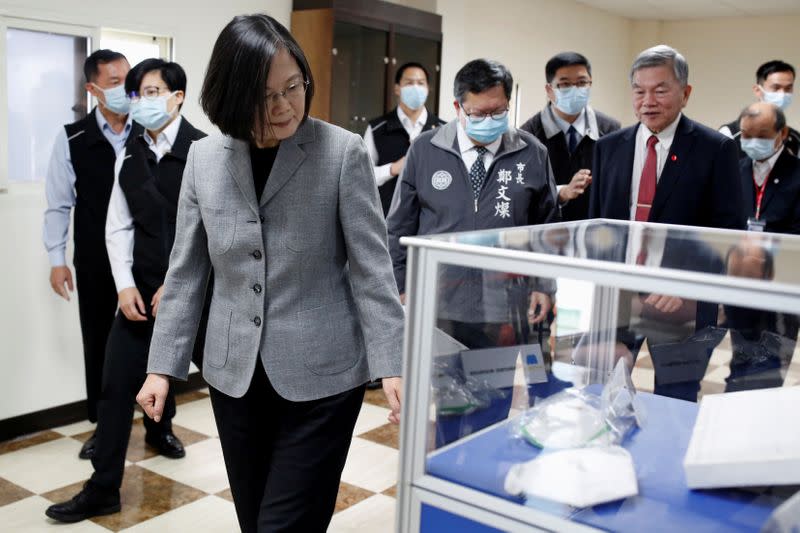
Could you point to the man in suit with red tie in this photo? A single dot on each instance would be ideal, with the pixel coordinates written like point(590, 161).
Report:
point(667, 168)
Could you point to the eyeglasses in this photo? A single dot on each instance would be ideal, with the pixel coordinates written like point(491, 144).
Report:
point(480, 117)
point(149, 93)
point(582, 84)
point(292, 93)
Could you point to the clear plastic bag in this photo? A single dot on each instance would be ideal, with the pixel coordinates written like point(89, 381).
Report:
point(575, 418)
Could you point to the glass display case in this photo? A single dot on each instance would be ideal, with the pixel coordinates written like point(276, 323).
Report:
point(555, 376)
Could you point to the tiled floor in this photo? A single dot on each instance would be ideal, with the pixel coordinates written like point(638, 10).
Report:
point(189, 494)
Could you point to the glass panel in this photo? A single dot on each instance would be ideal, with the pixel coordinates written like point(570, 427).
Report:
point(45, 91)
point(522, 391)
point(425, 52)
point(359, 76)
point(698, 250)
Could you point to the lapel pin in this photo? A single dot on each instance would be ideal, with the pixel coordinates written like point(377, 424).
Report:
point(674, 157)
point(777, 180)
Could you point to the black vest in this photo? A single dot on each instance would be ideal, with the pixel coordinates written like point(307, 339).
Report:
point(151, 189)
point(564, 164)
point(93, 161)
point(792, 140)
point(392, 142)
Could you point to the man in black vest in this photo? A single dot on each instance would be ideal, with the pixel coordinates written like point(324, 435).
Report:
point(81, 175)
point(569, 128)
point(140, 230)
point(774, 85)
point(388, 137)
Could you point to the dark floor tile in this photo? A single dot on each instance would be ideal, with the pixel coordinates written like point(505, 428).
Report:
point(10, 493)
point(226, 494)
point(190, 396)
point(392, 491)
point(138, 450)
point(26, 441)
point(376, 397)
point(350, 495)
point(144, 495)
point(387, 434)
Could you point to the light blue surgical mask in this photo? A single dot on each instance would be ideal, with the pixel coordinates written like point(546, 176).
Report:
point(780, 99)
point(116, 99)
point(572, 101)
point(152, 113)
point(759, 149)
point(487, 130)
point(414, 96)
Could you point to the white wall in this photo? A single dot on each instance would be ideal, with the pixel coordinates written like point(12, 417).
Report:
point(524, 34)
point(40, 343)
point(723, 56)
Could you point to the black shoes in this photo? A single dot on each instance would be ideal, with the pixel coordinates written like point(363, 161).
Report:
point(167, 445)
point(87, 450)
point(89, 502)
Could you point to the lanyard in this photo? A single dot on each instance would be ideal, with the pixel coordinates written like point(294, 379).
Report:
point(760, 192)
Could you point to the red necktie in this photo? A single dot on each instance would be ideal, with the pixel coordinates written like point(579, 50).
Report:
point(647, 184)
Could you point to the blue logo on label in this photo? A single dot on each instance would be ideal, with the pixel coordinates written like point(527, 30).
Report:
point(531, 359)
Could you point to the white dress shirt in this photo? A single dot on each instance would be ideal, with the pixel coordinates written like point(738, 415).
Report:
point(383, 173)
point(761, 169)
point(119, 222)
point(579, 124)
point(665, 138)
point(59, 187)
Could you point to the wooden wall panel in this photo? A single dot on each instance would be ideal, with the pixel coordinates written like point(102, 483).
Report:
point(313, 30)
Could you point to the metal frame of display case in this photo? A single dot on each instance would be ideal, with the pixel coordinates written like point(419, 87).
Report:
point(425, 255)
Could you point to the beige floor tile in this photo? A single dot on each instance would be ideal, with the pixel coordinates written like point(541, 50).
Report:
point(46, 466)
point(197, 416)
point(190, 396)
point(27, 516)
point(376, 514)
point(370, 417)
point(74, 429)
point(371, 466)
point(208, 515)
point(203, 467)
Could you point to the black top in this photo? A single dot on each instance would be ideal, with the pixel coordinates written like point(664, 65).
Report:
point(261, 160)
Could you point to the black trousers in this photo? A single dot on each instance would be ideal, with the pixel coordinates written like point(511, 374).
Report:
point(125, 372)
point(97, 303)
point(284, 459)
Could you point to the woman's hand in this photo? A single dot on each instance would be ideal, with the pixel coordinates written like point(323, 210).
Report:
point(153, 395)
point(157, 299)
point(393, 389)
point(132, 305)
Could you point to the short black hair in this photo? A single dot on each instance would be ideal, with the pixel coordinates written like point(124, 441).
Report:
point(780, 116)
point(100, 57)
point(172, 74)
point(565, 59)
point(480, 75)
point(234, 93)
point(412, 64)
point(771, 67)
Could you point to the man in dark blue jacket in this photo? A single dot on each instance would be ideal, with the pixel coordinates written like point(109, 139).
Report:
point(475, 172)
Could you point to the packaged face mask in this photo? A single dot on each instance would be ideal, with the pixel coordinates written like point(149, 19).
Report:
point(580, 478)
point(565, 420)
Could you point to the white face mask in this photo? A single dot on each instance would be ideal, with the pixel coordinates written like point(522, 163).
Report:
point(152, 113)
point(780, 99)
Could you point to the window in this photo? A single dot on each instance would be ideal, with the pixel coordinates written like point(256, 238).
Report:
point(136, 46)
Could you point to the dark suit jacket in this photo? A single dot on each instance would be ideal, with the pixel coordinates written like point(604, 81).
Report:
point(780, 207)
point(697, 187)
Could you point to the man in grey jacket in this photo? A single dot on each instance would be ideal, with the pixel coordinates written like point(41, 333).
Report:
point(474, 173)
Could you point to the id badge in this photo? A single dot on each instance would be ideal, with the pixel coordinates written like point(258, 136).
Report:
point(755, 224)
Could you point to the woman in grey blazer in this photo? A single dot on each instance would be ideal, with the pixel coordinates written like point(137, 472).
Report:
point(305, 309)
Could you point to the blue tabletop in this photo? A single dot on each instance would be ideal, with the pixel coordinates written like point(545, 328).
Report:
point(664, 502)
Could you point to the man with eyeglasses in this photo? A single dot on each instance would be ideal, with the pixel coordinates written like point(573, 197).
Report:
point(475, 172)
point(389, 136)
point(80, 176)
point(774, 85)
point(569, 128)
